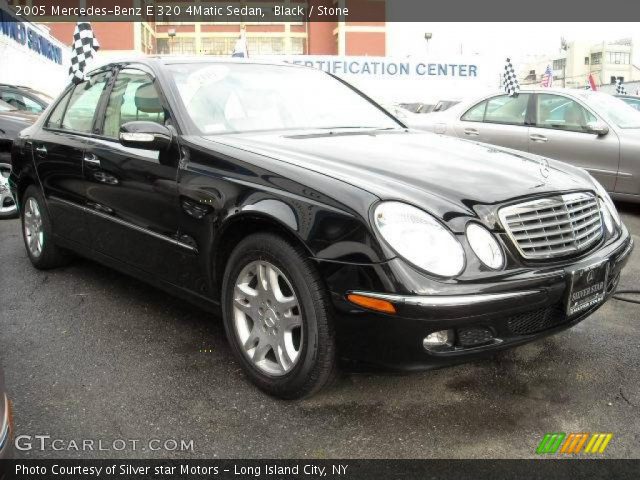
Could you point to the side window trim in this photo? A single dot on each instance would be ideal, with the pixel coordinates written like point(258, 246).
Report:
point(66, 96)
point(101, 111)
point(484, 112)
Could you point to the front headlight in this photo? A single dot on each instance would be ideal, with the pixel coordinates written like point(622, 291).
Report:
point(419, 238)
point(602, 193)
point(485, 246)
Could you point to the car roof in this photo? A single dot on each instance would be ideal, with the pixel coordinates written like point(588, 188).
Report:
point(154, 60)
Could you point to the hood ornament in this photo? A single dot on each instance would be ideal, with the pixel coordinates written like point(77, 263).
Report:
point(545, 170)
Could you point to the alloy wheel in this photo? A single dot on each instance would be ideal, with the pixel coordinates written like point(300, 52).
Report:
point(33, 232)
point(8, 206)
point(267, 318)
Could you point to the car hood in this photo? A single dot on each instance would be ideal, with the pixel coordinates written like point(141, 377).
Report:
point(418, 167)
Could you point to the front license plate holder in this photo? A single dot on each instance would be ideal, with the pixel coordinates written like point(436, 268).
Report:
point(587, 287)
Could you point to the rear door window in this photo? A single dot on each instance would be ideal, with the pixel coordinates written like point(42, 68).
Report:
point(84, 104)
point(507, 110)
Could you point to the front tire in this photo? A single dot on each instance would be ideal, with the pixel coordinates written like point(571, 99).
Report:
point(37, 232)
point(277, 317)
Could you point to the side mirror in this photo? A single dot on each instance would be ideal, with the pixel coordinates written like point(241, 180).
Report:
point(598, 128)
point(147, 135)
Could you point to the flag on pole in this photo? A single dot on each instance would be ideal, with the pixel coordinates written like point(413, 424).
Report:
point(620, 90)
point(84, 47)
point(240, 49)
point(547, 77)
point(510, 80)
point(591, 83)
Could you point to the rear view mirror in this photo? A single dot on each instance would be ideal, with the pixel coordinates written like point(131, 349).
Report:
point(147, 135)
point(598, 128)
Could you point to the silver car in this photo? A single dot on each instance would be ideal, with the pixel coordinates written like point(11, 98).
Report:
point(592, 130)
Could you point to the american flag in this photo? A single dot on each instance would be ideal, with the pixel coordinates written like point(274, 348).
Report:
point(547, 77)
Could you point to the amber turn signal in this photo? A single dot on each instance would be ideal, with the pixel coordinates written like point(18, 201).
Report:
point(372, 303)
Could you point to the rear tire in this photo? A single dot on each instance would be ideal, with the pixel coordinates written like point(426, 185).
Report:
point(277, 317)
point(37, 232)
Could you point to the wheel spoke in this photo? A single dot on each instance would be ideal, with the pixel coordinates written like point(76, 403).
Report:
point(244, 306)
point(261, 351)
point(263, 277)
point(283, 357)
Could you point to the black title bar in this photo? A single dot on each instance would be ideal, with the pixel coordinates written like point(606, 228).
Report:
point(310, 469)
point(260, 11)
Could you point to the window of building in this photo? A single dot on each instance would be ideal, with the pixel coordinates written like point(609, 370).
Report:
point(265, 45)
point(222, 46)
point(596, 58)
point(614, 79)
point(84, 103)
point(559, 63)
point(297, 46)
point(621, 58)
point(179, 45)
point(586, 60)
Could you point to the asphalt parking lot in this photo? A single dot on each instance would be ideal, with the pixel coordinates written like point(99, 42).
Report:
point(89, 353)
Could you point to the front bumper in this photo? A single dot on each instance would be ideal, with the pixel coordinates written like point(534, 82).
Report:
point(484, 316)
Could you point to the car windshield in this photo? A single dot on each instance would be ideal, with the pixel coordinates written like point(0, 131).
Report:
point(615, 109)
point(241, 97)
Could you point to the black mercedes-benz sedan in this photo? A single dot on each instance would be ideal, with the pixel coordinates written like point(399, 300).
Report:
point(318, 224)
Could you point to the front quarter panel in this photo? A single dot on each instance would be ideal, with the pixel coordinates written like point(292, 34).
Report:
point(222, 188)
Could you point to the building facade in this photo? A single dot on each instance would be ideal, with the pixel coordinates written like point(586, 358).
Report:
point(605, 61)
point(165, 36)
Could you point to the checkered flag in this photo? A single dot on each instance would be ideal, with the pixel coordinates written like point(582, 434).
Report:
point(509, 80)
point(85, 44)
point(620, 88)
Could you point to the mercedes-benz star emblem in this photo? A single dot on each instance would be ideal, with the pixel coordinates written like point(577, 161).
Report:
point(544, 168)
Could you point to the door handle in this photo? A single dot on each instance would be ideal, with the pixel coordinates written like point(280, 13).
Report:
point(538, 138)
point(472, 132)
point(92, 159)
point(42, 150)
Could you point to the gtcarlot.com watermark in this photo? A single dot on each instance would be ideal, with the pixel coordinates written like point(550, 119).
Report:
point(48, 443)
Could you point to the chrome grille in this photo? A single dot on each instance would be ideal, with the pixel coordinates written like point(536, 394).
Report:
point(553, 226)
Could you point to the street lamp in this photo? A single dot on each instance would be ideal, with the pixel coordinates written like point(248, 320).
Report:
point(428, 36)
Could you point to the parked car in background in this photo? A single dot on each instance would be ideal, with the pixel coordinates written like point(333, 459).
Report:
point(418, 107)
point(443, 105)
point(591, 130)
point(12, 121)
point(6, 422)
point(631, 100)
point(319, 225)
point(24, 98)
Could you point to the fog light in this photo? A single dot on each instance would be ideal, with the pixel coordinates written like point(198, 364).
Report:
point(438, 339)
